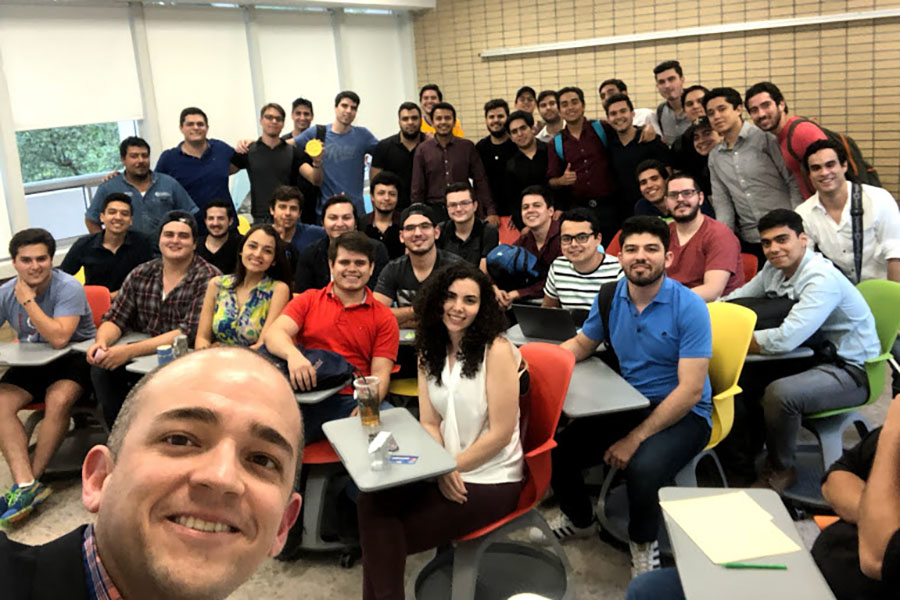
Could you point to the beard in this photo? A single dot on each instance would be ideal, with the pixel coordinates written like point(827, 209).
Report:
point(688, 217)
point(410, 136)
point(497, 134)
point(643, 281)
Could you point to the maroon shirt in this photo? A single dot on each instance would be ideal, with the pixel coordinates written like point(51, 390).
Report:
point(713, 248)
point(590, 161)
point(546, 255)
point(435, 167)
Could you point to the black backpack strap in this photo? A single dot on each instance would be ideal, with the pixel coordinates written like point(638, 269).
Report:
point(856, 215)
point(604, 304)
point(790, 136)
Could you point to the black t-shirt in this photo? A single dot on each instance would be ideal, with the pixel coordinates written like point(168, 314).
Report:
point(390, 237)
point(625, 160)
point(483, 239)
point(398, 281)
point(494, 157)
point(270, 167)
point(522, 172)
point(101, 266)
point(391, 155)
point(225, 259)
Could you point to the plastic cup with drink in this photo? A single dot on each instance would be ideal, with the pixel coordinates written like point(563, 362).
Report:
point(365, 390)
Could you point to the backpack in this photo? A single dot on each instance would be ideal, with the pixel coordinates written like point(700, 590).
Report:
point(332, 369)
point(859, 168)
point(598, 129)
point(512, 267)
point(604, 304)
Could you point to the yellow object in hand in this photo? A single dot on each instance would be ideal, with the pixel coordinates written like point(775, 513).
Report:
point(313, 148)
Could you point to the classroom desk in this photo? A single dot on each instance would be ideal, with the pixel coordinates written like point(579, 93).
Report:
point(703, 580)
point(316, 396)
point(801, 352)
point(407, 336)
point(127, 338)
point(143, 364)
point(516, 337)
point(351, 444)
point(595, 389)
point(29, 354)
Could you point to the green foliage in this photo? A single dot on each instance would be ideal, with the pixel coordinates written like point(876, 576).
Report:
point(68, 151)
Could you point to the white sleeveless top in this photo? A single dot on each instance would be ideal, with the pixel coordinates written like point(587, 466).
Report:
point(462, 404)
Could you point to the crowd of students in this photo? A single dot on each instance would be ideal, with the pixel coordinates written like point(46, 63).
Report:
point(694, 199)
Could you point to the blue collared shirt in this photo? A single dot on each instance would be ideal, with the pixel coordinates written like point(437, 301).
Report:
point(163, 195)
point(826, 302)
point(204, 178)
point(649, 344)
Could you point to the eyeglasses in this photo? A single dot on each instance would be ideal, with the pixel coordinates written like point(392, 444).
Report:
point(422, 226)
point(581, 238)
point(680, 194)
point(276, 118)
point(460, 204)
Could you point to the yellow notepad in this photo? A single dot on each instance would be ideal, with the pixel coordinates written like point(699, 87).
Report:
point(729, 527)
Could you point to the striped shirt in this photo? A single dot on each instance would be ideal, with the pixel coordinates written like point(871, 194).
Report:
point(100, 586)
point(577, 290)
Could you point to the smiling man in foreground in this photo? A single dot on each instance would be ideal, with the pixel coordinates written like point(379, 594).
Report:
point(193, 491)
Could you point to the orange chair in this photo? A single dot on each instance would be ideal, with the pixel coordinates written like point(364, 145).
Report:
point(823, 521)
point(99, 300)
point(550, 369)
point(750, 264)
point(614, 247)
point(508, 232)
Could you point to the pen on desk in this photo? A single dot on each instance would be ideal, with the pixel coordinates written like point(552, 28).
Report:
point(741, 565)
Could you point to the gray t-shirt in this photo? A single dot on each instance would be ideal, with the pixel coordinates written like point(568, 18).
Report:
point(64, 297)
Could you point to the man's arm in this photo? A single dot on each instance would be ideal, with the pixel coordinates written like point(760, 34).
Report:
point(893, 269)
point(817, 299)
point(183, 200)
point(92, 214)
point(774, 152)
point(843, 491)
point(418, 185)
point(879, 511)
point(550, 301)
point(721, 197)
point(713, 285)
point(381, 368)
point(56, 330)
point(405, 315)
point(581, 346)
point(279, 340)
point(480, 183)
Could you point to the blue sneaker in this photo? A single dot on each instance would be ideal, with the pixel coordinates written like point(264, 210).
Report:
point(22, 501)
point(4, 499)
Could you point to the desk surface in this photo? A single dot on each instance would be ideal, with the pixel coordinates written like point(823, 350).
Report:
point(801, 352)
point(316, 396)
point(127, 338)
point(143, 364)
point(702, 580)
point(514, 334)
point(351, 443)
point(596, 389)
point(407, 336)
point(29, 354)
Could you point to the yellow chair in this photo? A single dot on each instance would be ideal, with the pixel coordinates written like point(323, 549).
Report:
point(243, 225)
point(407, 386)
point(80, 275)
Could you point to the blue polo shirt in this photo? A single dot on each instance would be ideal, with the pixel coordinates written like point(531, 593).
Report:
point(204, 178)
point(164, 195)
point(306, 235)
point(649, 344)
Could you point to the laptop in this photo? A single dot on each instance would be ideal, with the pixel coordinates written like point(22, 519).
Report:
point(541, 322)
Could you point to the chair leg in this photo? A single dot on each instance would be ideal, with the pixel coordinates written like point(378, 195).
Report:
point(687, 476)
point(601, 501)
point(314, 509)
point(31, 423)
point(466, 556)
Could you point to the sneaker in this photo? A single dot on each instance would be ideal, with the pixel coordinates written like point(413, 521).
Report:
point(21, 501)
point(563, 528)
point(4, 499)
point(776, 479)
point(644, 557)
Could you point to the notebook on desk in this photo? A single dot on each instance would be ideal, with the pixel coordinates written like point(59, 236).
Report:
point(548, 323)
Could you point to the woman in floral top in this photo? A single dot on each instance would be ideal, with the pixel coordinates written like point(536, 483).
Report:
point(237, 308)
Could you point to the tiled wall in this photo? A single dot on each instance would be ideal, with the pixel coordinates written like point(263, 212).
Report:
point(844, 75)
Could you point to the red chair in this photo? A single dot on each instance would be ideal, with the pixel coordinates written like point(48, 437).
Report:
point(750, 264)
point(508, 232)
point(99, 300)
point(614, 246)
point(550, 369)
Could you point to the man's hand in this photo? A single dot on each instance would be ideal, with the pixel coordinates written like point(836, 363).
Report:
point(113, 358)
point(109, 176)
point(568, 177)
point(648, 134)
point(502, 297)
point(24, 292)
point(452, 487)
point(243, 146)
point(619, 454)
point(493, 220)
point(92, 353)
point(557, 214)
point(303, 374)
point(754, 347)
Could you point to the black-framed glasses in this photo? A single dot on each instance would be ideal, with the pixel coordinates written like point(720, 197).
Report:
point(422, 226)
point(460, 204)
point(680, 194)
point(581, 238)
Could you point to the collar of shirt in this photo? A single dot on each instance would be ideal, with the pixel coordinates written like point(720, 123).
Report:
point(663, 296)
point(97, 241)
point(817, 205)
point(206, 152)
point(153, 179)
point(395, 218)
point(101, 586)
point(742, 134)
point(366, 301)
point(398, 140)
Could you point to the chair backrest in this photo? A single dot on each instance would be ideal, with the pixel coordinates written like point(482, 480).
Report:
point(243, 225)
point(732, 328)
point(99, 300)
point(508, 235)
point(883, 297)
point(614, 246)
point(750, 264)
point(549, 369)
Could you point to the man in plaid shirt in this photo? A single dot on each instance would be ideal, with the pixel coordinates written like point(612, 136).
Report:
point(161, 298)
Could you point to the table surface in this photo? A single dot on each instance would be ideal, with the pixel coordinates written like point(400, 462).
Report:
point(407, 336)
point(702, 579)
point(595, 389)
point(29, 354)
point(801, 352)
point(127, 338)
point(351, 443)
point(316, 396)
point(514, 334)
point(143, 364)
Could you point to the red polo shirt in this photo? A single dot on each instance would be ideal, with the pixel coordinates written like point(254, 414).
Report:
point(359, 332)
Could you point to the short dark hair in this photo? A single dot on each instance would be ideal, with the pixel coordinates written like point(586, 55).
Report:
point(699, 125)
point(115, 197)
point(431, 86)
point(538, 190)
point(495, 104)
point(273, 106)
point(666, 65)
point(691, 89)
point(182, 216)
point(444, 106)
point(684, 175)
point(545, 93)
point(822, 145)
point(132, 141)
point(301, 102)
point(569, 89)
point(192, 110)
point(352, 241)
point(765, 87)
point(458, 186)
point(731, 95)
point(581, 214)
point(781, 217)
point(28, 237)
point(351, 96)
point(220, 203)
point(618, 98)
point(524, 89)
point(519, 114)
point(645, 224)
point(417, 208)
point(283, 193)
point(409, 106)
point(651, 163)
point(341, 199)
point(385, 178)
point(620, 85)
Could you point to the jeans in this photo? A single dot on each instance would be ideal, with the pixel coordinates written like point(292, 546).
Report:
point(786, 400)
point(111, 387)
point(663, 584)
point(583, 443)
